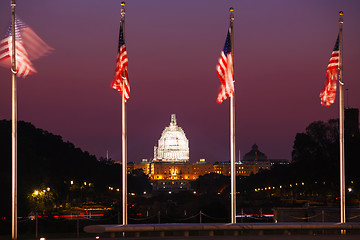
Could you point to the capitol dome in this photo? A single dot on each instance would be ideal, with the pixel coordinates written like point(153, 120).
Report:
point(173, 146)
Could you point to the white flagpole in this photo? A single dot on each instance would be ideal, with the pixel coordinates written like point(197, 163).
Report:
point(14, 128)
point(124, 135)
point(232, 132)
point(341, 125)
point(124, 160)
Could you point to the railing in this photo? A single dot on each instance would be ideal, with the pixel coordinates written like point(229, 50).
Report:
point(221, 228)
point(250, 220)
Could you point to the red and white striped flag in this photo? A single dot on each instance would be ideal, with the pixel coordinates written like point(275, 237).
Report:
point(29, 46)
point(121, 79)
point(224, 70)
point(327, 96)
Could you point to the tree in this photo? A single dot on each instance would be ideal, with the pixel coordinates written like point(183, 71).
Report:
point(316, 152)
point(139, 182)
point(46, 161)
point(211, 183)
point(42, 200)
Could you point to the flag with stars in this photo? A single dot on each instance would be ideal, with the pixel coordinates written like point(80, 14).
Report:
point(121, 79)
point(327, 96)
point(224, 70)
point(28, 46)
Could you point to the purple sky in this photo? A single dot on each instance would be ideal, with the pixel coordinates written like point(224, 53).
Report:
point(282, 49)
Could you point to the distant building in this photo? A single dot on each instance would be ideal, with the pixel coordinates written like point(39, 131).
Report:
point(242, 169)
point(254, 155)
point(144, 165)
point(170, 169)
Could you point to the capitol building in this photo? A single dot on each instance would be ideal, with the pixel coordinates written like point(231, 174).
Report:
point(173, 146)
point(170, 168)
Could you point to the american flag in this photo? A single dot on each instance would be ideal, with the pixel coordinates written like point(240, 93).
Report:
point(327, 96)
point(28, 46)
point(224, 70)
point(121, 79)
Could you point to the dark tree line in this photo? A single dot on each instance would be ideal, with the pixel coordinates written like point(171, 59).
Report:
point(315, 166)
point(46, 161)
point(313, 174)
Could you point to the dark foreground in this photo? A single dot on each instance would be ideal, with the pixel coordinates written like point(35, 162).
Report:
point(264, 237)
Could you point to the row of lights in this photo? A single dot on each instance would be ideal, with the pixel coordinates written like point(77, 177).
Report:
point(112, 189)
point(118, 190)
point(280, 187)
point(290, 185)
point(296, 184)
point(85, 183)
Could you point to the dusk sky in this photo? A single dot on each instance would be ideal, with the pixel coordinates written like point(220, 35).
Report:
point(281, 51)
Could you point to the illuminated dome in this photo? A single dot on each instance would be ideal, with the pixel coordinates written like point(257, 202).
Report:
point(173, 146)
